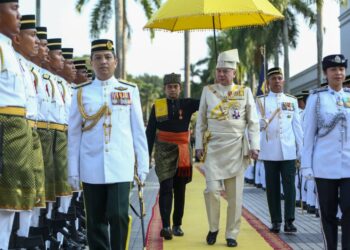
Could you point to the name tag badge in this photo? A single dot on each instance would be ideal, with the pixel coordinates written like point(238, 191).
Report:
point(120, 98)
point(288, 106)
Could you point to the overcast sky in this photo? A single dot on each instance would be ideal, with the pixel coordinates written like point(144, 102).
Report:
point(164, 54)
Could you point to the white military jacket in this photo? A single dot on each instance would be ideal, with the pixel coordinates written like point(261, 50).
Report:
point(57, 110)
point(44, 98)
point(31, 92)
point(99, 155)
point(283, 138)
point(327, 134)
point(66, 93)
point(12, 87)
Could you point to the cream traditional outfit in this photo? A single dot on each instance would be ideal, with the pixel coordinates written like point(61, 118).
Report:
point(225, 114)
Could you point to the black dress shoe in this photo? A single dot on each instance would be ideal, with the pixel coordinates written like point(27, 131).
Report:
point(289, 227)
point(276, 227)
point(311, 210)
point(211, 237)
point(166, 233)
point(298, 203)
point(231, 242)
point(177, 231)
point(317, 213)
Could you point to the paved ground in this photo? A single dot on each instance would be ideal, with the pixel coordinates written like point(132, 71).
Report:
point(308, 236)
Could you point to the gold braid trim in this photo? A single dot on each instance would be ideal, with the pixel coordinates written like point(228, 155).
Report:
point(93, 118)
point(1, 60)
point(52, 87)
point(63, 90)
point(36, 78)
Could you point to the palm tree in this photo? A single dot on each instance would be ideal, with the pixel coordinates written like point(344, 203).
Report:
point(100, 16)
point(319, 34)
point(38, 12)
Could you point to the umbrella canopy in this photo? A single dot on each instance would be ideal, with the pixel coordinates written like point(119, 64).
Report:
point(181, 15)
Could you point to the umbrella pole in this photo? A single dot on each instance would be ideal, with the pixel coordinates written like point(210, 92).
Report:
point(216, 48)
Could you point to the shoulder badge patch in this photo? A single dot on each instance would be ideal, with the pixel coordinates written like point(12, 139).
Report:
point(291, 96)
point(127, 83)
point(314, 91)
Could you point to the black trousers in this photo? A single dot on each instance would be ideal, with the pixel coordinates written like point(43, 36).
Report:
point(331, 193)
point(176, 187)
point(107, 205)
point(274, 171)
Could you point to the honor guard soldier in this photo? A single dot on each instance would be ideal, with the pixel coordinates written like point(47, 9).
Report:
point(106, 139)
point(26, 44)
point(227, 113)
point(326, 154)
point(82, 74)
point(17, 180)
point(168, 128)
point(281, 144)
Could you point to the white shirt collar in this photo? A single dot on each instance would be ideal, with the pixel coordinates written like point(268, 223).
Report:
point(5, 39)
point(106, 82)
point(333, 92)
point(273, 94)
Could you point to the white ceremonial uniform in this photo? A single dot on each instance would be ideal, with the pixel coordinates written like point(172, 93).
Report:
point(283, 139)
point(333, 149)
point(32, 114)
point(57, 109)
point(94, 157)
point(12, 88)
point(44, 98)
point(12, 93)
point(66, 93)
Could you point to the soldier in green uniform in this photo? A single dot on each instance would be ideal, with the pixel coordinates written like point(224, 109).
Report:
point(17, 182)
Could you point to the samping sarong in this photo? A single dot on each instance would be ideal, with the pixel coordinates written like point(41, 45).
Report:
point(61, 164)
point(17, 182)
point(38, 168)
point(46, 139)
point(167, 158)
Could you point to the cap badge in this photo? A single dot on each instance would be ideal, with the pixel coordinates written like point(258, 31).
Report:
point(337, 59)
point(109, 45)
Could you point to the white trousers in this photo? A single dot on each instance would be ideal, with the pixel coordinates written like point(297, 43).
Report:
point(311, 195)
point(6, 222)
point(233, 187)
point(249, 172)
point(25, 218)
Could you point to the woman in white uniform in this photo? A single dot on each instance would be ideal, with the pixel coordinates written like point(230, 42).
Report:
point(326, 155)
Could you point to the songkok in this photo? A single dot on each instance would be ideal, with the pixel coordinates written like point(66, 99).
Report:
point(41, 33)
point(102, 44)
point(28, 22)
point(324, 83)
point(337, 60)
point(275, 70)
point(80, 64)
point(89, 72)
point(54, 43)
point(172, 78)
point(8, 1)
point(302, 96)
point(228, 59)
point(67, 53)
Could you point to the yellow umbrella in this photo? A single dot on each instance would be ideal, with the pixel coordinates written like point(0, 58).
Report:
point(180, 15)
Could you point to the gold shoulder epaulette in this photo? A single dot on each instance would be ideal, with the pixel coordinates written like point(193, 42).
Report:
point(46, 76)
point(82, 85)
point(314, 91)
point(127, 83)
point(291, 96)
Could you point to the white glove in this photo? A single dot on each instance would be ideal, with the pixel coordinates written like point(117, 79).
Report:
point(142, 176)
point(74, 182)
point(307, 173)
point(263, 124)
